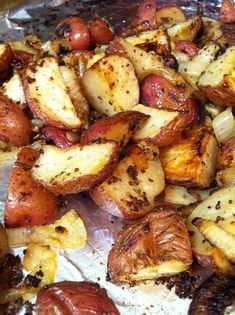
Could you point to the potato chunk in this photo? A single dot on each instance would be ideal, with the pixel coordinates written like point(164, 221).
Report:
point(170, 14)
point(111, 85)
point(156, 245)
point(191, 160)
point(131, 189)
point(217, 83)
point(75, 169)
point(186, 30)
point(13, 89)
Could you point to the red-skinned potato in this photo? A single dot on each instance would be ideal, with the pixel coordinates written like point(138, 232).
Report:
point(100, 31)
point(6, 57)
point(74, 30)
point(170, 14)
point(187, 47)
point(28, 202)
point(21, 59)
point(119, 128)
point(69, 298)
point(15, 127)
point(227, 12)
point(57, 136)
point(146, 12)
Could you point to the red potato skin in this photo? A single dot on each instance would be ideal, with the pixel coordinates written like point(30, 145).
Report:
point(187, 47)
point(57, 136)
point(5, 62)
point(100, 31)
point(221, 95)
point(112, 127)
point(69, 298)
point(227, 12)
point(146, 12)
point(28, 203)
point(15, 127)
point(75, 31)
point(21, 59)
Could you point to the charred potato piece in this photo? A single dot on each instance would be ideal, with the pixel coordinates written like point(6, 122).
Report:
point(227, 12)
point(218, 208)
point(75, 169)
point(47, 96)
point(111, 85)
point(131, 189)
point(155, 246)
point(191, 160)
point(6, 56)
point(13, 89)
point(170, 14)
point(28, 202)
point(211, 31)
point(119, 128)
point(186, 30)
point(70, 297)
point(217, 83)
point(15, 127)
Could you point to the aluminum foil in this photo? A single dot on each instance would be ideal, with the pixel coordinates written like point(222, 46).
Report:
point(39, 17)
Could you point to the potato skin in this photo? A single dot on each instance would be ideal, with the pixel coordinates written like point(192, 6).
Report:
point(15, 127)
point(28, 202)
point(187, 47)
point(100, 31)
point(5, 62)
point(119, 127)
point(226, 155)
point(146, 12)
point(71, 298)
point(56, 135)
point(227, 12)
point(220, 95)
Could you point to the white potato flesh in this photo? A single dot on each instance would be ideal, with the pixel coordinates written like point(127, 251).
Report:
point(13, 89)
point(185, 30)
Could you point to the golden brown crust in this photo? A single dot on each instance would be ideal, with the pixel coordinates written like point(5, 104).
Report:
point(219, 95)
point(226, 155)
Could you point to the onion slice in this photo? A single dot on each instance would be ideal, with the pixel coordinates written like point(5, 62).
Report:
point(224, 125)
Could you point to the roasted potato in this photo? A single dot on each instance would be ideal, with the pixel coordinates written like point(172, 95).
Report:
point(57, 136)
point(178, 195)
point(15, 127)
point(155, 246)
point(28, 202)
point(186, 30)
point(146, 12)
point(111, 85)
point(100, 31)
point(211, 32)
point(226, 155)
point(4, 245)
point(225, 177)
point(191, 161)
point(217, 82)
point(170, 14)
point(131, 189)
point(70, 297)
point(187, 47)
point(13, 89)
point(227, 12)
point(75, 169)
point(6, 56)
point(218, 208)
point(47, 96)
point(119, 128)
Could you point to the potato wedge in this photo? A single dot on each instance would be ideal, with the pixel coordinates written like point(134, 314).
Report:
point(131, 189)
point(111, 85)
point(13, 89)
point(75, 169)
point(186, 30)
point(6, 56)
point(15, 127)
point(191, 160)
point(119, 128)
point(47, 96)
point(217, 83)
point(155, 246)
point(219, 208)
point(170, 14)
point(28, 202)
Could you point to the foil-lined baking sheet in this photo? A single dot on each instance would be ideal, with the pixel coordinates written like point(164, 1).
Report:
point(39, 17)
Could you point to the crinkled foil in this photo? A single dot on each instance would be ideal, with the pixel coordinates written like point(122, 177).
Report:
point(89, 264)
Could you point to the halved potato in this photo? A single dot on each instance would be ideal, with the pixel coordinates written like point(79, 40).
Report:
point(217, 83)
point(170, 14)
point(47, 96)
point(155, 246)
point(111, 85)
point(219, 208)
point(13, 89)
point(191, 160)
point(6, 57)
point(131, 189)
point(119, 128)
point(186, 30)
point(75, 169)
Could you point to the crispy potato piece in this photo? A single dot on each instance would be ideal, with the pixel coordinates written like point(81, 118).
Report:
point(178, 195)
point(15, 127)
point(91, 61)
point(6, 56)
point(119, 128)
point(156, 245)
point(75, 169)
point(13, 89)
point(131, 189)
point(227, 12)
point(191, 160)
point(226, 155)
point(170, 14)
point(219, 208)
point(47, 96)
point(4, 245)
point(217, 83)
point(100, 31)
point(30, 44)
point(111, 85)
point(211, 31)
point(28, 202)
point(186, 30)
point(67, 232)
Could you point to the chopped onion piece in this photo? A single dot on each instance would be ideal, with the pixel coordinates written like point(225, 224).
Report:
point(224, 125)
